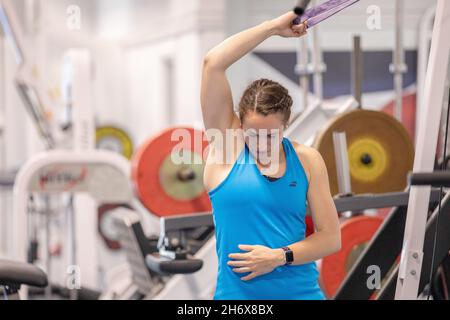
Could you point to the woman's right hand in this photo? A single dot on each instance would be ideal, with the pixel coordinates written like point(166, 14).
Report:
point(285, 28)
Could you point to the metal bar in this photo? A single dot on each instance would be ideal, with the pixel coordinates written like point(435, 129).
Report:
point(354, 203)
point(72, 240)
point(398, 66)
point(11, 29)
point(317, 62)
point(35, 108)
point(341, 157)
point(357, 70)
point(375, 201)
point(301, 70)
point(434, 179)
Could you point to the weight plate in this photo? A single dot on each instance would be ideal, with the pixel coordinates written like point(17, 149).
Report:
point(380, 151)
point(114, 139)
point(356, 232)
point(165, 185)
point(106, 227)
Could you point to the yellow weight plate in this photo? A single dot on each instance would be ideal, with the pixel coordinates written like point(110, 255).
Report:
point(368, 159)
point(380, 151)
point(114, 139)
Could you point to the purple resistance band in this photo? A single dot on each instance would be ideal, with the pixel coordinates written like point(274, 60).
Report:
point(324, 11)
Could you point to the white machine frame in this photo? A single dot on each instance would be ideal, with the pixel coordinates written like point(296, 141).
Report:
point(435, 80)
point(423, 54)
point(106, 180)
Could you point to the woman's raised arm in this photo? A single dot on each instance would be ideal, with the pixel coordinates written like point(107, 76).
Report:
point(216, 97)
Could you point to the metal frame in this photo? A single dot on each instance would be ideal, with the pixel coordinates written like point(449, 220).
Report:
point(443, 247)
point(425, 33)
point(352, 203)
point(383, 249)
point(125, 220)
point(412, 253)
point(29, 88)
point(102, 168)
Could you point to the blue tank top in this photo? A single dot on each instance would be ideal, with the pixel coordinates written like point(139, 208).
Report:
point(250, 209)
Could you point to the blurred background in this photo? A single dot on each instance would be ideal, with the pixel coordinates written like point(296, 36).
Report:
point(135, 66)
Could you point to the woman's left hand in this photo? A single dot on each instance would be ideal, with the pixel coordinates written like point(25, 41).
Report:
point(258, 260)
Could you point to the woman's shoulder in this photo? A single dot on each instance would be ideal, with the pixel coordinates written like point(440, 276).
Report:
point(309, 153)
point(308, 156)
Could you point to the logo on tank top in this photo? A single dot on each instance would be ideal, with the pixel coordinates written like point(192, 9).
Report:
point(293, 184)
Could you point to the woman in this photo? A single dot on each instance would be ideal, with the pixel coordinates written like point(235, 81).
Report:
point(259, 190)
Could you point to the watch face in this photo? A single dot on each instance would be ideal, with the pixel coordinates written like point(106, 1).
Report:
point(289, 256)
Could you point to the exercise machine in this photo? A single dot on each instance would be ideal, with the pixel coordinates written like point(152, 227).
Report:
point(15, 274)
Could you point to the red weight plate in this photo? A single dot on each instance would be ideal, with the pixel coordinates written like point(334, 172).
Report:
point(355, 232)
point(151, 160)
point(309, 226)
point(408, 112)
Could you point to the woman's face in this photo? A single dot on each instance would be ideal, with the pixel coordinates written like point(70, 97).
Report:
point(263, 135)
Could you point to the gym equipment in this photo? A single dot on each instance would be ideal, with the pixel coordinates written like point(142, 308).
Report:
point(398, 66)
point(384, 248)
point(102, 174)
point(441, 282)
point(168, 188)
point(434, 179)
point(180, 287)
point(155, 264)
point(315, 68)
point(409, 112)
point(301, 7)
point(114, 139)
point(105, 176)
point(440, 253)
point(408, 281)
point(35, 97)
point(106, 227)
point(15, 274)
point(30, 90)
point(303, 126)
point(7, 179)
point(77, 101)
point(425, 35)
point(380, 151)
point(356, 232)
point(357, 70)
point(323, 11)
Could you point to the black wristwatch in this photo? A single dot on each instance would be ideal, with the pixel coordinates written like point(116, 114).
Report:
point(289, 255)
